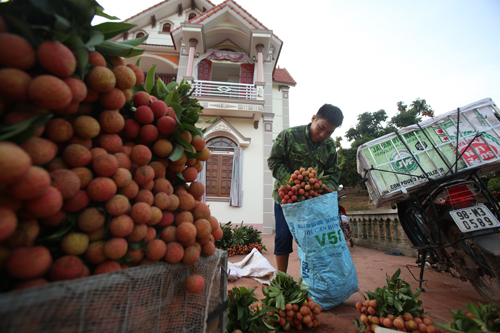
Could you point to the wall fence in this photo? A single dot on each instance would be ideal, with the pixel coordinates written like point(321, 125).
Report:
point(379, 230)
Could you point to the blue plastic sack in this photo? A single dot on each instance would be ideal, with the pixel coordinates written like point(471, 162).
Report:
point(326, 263)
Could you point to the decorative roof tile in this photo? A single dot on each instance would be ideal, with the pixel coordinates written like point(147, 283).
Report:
point(282, 75)
point(157, 5)
point(241, 12)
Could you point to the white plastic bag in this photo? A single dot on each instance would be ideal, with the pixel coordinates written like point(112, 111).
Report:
point(254, 266)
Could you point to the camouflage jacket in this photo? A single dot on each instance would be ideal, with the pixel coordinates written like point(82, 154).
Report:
point(293, 149)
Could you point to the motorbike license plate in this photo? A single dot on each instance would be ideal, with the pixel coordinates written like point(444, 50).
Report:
point(474, 218)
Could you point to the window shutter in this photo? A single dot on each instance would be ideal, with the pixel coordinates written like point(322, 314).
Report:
point(236, 198)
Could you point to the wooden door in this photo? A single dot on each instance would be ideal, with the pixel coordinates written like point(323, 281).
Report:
point(246, 76)
point(205, 70)
point(246, 73)
point(218, 177)
point(226, 171)
point(212, 171)
point(204, 74)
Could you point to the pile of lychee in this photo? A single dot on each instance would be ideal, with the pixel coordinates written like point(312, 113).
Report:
point(100, 174)
point(244, 249)
point(302, 185)
point(297, 316)
point(406, 322)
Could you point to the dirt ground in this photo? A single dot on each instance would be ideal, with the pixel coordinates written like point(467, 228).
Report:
point(357, 198)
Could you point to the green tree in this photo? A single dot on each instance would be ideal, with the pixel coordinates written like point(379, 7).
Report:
point(413, 115)
point(370, 126)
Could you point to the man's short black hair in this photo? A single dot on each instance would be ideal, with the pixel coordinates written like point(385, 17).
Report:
point(331, 113)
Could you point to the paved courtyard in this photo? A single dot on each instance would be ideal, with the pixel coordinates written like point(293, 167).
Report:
point(442, 292)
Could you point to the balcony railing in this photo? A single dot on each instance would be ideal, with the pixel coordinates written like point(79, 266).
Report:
point(224, 89)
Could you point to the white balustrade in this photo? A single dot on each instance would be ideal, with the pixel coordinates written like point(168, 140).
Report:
point(224, 89)
point(379, 230)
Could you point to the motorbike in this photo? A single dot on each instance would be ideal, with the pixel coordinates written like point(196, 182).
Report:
point(453, 225)
point(344, 221)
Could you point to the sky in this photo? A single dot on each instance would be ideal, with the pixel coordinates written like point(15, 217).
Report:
point(365, 55)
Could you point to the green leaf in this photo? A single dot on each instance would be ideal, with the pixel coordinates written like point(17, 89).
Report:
point(96, 38)
point(24, 29)
point(112, 29)
point(396, 275)
point(135, 41)
point(280, 301)
point(134, 53)
point(240, 312)
point(417, 293)
point(85, 10)
point(397, 305)
point(21, 132)
point(271, 328)
point(162, 88)
point(177, 108)
point(172, 85)
point(114, 49)
point(154, 91)
point(61, 23)
point(65, 229)
point(212, 120)
point(150, 79)
point(138, 88)
point(138, 245)
point(176, 152)
point(81, 53)
point(473, 309)
point(138, 62)
point(100, 12)
point(124, 260)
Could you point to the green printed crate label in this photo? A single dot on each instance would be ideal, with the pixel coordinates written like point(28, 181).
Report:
point(433, 145)
point(393, 156)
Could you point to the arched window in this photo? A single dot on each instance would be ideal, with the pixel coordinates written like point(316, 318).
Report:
point(221, 143)
point(140, 34)
point(166, 27)
point(191, 16)
point(219, 167)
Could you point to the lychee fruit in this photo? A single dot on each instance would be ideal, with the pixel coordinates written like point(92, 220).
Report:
point(101, 79)
point(194, 283)
point(56, 58)
point(49, 92)
point(14, 163)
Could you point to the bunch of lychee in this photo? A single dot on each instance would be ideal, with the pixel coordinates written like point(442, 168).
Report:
point(108, 172)
point(403, 322)
point(302, 185)
point(297, 316)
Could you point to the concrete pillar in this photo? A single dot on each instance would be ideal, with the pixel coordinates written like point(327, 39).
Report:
point(260, 63)
point(192, 47)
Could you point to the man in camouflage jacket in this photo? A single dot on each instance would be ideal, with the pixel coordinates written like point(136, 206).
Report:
point(303, 147)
